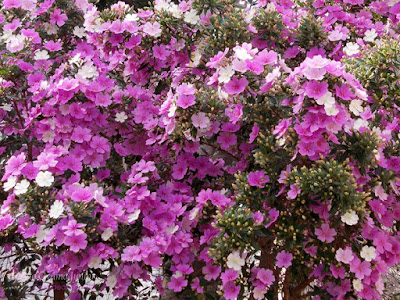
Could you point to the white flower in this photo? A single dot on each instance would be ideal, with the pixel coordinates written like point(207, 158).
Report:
point(95, 262)
point(370, 35)
point(15, 43)
point(191, 17)
point(225, 74)
point(331, 110)
point(21, 187)
point(50, 28)
point(88, 71)
point(44, 178)
point(356, 107)
point(131, 18)
point(107, 234)
point(235, 261)
point(134, 216)
point(111, 281)
point(121, 117)
point(368, 253)
point(48, 136)
point(350, 218)
point(242, 54)
point(41, 54)
point(351, 48)
point(200, 120)
point(357, 285)
point(56, 209)
point(10, 183)
point(360, 123)
point(174, 10)
point(41, 234)
point(172, 228)
point(326, 99)
point(79, 31)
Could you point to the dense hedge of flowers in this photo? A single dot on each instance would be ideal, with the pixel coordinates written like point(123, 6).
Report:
point(201, 148)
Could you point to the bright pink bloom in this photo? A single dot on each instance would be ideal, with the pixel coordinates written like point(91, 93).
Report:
point(73, 228)
point(76, 242)
point(265, 276)
point(177, 283)
point(284, 259)
point(257, 178)
point(360, 269)
point(226, 140)
point(229, 275)
point(236, 86)
point(231, 291)
point(14, 165)
point(82, 195)
point(58, 18)
point(325, 234)
point(211, 271)
point(315, 89)
point(294, 191)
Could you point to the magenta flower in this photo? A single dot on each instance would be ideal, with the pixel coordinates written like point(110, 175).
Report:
point(315, 89)
point(265, 276)
point(73, 228)
point(185, 101)
point(257, 178)
point(284, 259)
point(325, 234)
point(293, 192)
point(229, 275)
point(131, 253)
point(177, 283)
point(58, 18)
point(360, 269)
point(82, 195)
point(231, 291)
point(14, 166)
point(226, 140)
point(76, 242)
point(211, 271)
point(236, 86)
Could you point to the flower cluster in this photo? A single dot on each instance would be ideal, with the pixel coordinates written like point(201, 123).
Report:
point(200, 147)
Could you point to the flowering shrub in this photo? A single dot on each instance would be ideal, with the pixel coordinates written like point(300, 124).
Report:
point(199, 148)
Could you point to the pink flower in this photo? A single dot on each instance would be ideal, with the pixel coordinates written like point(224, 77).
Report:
point(284, 259)
point(76, 242)
point(344, 255)
point(58, 18)
point(281, 128)
point(14, 166)
point(82, 195)
point(360, 269)
point(293, 192)
point(152, 29)
point(211, 271)
point(45, 161)
point(257, 178)
point(53, 46)
point(266, 57)
point(254, 133)
point(73, 228)
point(30, 171)
point(226, 140)
point(179, 170)
point(325, 234)
point(177, 283)
point(200, 120)
point(236, 86)
point(185, 101)
point(131, 253)
point(229, 275)
point(231, 291)
point(7, 4)
point(265, 276)
point(315, 89)
point(234, 112)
